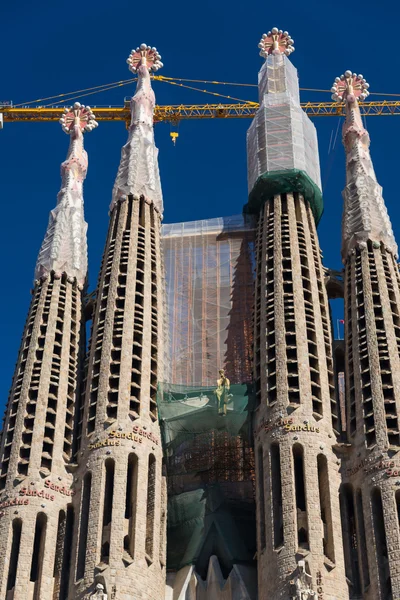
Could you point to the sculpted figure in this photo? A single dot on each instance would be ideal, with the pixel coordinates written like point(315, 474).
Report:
point(303, 584)
point(222, 392)
point(99, 594)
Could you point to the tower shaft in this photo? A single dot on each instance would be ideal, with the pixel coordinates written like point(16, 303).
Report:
point(296, 417)
point(36, 448)
point(370, 500)
point(119, 538)
point(119, 529)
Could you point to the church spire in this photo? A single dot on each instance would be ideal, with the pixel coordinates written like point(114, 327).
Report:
point(64, 248)
point(282, 146)
point(365, 215)
point(138, 173)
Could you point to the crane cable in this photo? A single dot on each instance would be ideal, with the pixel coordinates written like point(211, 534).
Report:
point(97, 87)
point(105, 89)
point(173, 81)
point(189, 87)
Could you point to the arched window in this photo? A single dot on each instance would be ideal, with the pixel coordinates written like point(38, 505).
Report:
point(130, 503)
point(261, 496)
point(151, 497)
point(107, 509)
point(350, 539)
point(85, 508)
point(276, 484)
point(38, 556)
point(380, 543)
point(325, 506)
point(362, 538)
point(15, 545)
point(301, 504)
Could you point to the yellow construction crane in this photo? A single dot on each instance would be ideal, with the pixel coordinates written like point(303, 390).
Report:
point(175, 113)
point(230, 108)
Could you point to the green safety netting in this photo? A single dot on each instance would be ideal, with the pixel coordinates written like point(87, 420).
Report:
point(284, 182)
point(186, 412)
point(210, 468)
point(207, 521)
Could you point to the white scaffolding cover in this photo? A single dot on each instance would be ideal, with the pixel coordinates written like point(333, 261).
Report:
point(64, 248)
point(281, 136)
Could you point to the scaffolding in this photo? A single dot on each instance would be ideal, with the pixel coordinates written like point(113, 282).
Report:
point(209, 277)
point(210, 466)
point(209, 270)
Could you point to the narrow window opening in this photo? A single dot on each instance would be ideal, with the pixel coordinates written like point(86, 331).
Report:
point(107, 509)
point(38, 554)
point(261, 497)
point(151, 489)
point(276, 482)
point(16, 542)
point(66, 563)
point(363, 542)
point(87, 485)
point(141, 212)
point(325, 507)
point(350, 539)
point(302, 520)
point(58, 558)
point(381, 545)
point(130, 504)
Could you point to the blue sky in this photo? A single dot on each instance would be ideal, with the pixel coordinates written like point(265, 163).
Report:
point(49, 48)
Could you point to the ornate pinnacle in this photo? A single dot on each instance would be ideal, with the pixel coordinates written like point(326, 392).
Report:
point(276, 41)
point(78, 115)
point(144, 55)
point(350, 87)
point(138, 173)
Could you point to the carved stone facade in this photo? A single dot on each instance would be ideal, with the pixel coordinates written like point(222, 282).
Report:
point(119, 533)
point(119, 537)
point(83, 495)
point(296, 419)
point(38, 433)
point(370, 495)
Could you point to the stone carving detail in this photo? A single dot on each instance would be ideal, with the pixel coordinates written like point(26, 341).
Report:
point(99, 593)
point(138, 173)
point(365, 216)
point(302, 584)
point(64, 248)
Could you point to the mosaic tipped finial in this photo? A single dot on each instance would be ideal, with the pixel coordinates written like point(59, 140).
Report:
point(276, 41)
point(350, 87)
point(144, 55)
point(78, 115)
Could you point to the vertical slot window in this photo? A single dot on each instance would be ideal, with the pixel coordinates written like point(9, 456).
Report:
point(325, 507)
point(276, 483)
point(261, 497)
point(362, 538)
point(381, 544)
point(301, 505)
point(151, 491)
point(85, 508)
point(130, 504)
point(38, 554)
point(350, 539)
point(107, 509)
point(15, 546)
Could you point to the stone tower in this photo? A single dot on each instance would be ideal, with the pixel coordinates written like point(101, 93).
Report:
point(119, 538)
point(370, 496)
point(35, 501)
point(296, 419)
